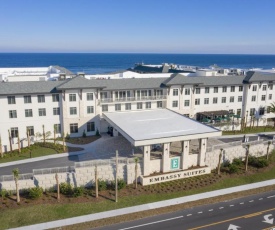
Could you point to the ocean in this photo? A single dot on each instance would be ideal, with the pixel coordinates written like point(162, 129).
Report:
point(93, 63)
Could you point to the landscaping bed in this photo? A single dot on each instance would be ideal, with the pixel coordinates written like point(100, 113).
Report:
point(81, 140)
point(80, 201)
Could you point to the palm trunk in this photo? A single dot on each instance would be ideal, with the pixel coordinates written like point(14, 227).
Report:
point(44, 135)
point(17, 191)
point(136, 175)
point(28, 137)
point(63, 139)
point(57, 187)
point(19, 146)
point(267, 150)
point(246, 158)
point(219, 164)
point(96, 183)
point(1, 150)
point(10, 140)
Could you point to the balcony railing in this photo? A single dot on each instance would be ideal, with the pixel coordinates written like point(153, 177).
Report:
point(129, 99)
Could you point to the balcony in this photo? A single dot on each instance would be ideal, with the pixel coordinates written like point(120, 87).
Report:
point(130, 99)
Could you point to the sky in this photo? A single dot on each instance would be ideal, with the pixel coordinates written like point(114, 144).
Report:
point(138, 26)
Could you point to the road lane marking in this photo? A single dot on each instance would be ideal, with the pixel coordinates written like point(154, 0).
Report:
point(210, 210)
point(231, 205)
point(189, 215)
point(269, 228)
point(253, 214)
point(199, 212)
point(220, 207)
point(224, 221)
point(251, 201)
point(141, 225)
point(261, 198)
point(242, 203)
point(271, 196)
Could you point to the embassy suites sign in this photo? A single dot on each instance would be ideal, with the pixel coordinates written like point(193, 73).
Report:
point(174, 176)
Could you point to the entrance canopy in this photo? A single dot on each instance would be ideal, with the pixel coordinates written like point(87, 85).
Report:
point(157, 126)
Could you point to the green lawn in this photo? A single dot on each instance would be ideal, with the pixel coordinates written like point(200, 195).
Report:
point(43, 213)
point(36, 152)
point(259, 129)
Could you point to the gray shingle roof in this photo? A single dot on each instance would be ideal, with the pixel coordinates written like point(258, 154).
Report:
point(81, 83)
point(28, 87)
point(63, 70)
point(133, 83)
point(178, 79)
point(252, 76)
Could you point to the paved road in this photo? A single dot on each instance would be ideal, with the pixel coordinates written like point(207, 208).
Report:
point(252, 213)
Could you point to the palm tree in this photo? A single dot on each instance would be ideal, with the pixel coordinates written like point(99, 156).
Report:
point(15, 173)
point(1, 150)
point(96, 182)
point(19, 146)
point(136, 168)
point(44, 135)
point(272, 110)
point(58, 187)
point(219, 164)
point(246, 157)
point(267, 150)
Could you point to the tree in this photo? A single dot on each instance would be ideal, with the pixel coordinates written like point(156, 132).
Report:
point(15, 173)
point(44, 135)
point(219, 164)
point(19, 146)
point(136, 168)
point(54, 135)
point(96, 182)
point(63, 141)
point(246, 157)
point(57, 187)
point(28, 137)
point(272, 110)
point(10, 140)
point(267, 150)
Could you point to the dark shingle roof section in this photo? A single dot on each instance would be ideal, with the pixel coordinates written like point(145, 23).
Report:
point(63, 70)
point(28, 87)
point(81, 83)
point(178, 79)
point(153, 69)
point(252, 76)
point(133, 83)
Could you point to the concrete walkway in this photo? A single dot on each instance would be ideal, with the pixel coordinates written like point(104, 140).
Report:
point(144, 207)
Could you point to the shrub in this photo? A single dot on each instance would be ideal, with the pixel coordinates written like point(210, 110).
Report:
point(237, 161)
point(102, 185)
point(67, 136)
point(252, 160)
point(120, 184)
point(66, 189)
point(78, 191)
point(84, 134)
point(233, 168)
point(262, 162)
point(225, 164)
point(97, 133)
point(35, 193)
point(4, 193)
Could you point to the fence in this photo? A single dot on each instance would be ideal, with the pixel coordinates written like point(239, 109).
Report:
point(26, 176)
point(121, 160)
point(223, 146)
point(53, 170)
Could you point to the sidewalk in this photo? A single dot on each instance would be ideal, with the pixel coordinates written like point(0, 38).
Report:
point(144, 207)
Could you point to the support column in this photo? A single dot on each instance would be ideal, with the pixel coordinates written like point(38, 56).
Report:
point(166, 158)
point(115, 132)
point(184, 154)
point(133, 149)
point(202, 151)
point(146, 160)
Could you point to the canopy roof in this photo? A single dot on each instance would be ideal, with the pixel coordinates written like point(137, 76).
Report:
point(158, 126)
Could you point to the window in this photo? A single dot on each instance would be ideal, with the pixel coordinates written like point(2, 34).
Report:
point(264, 87)
point(41, 98)
point(175, 104)
point(12, 114)
point(159, 104)
point(216, 89)
point(14, 132)
point(11, 100)
point(128, 106)
point(117, 107)
point(186, 103)
point(252, 112)
point(263, 98)
point(139, 105)
point(90, 126)
point(90, 96)
point(240, 88)
point(55, 97)
point(104, 108)
point(103, 95)
point(187, 91)
point(240, 98)
point(73, 111)
point(90, 109)
point(254, 88)
point(206, 101)
point(30, 130)
point(270, 96)
point(28, 99)
point(198, 90)
point(28, 112)
point(57, 128)
point(223, 99)
point(148, 105)
point(206, 90)
point(197, 101)
point(74, 128)
point(232, 88)
point(72, 97)
point(253, 98)
point(215, 100)
point(261, 111)
point(56, 111)
point(231, 99)
point(268, 109)
point(175, 92)
point(42, 112)
point(271, 87)
point(239, 112)
point(224, 89)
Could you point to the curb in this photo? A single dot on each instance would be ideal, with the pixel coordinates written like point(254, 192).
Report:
point(58, 155)
point(144, 207)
